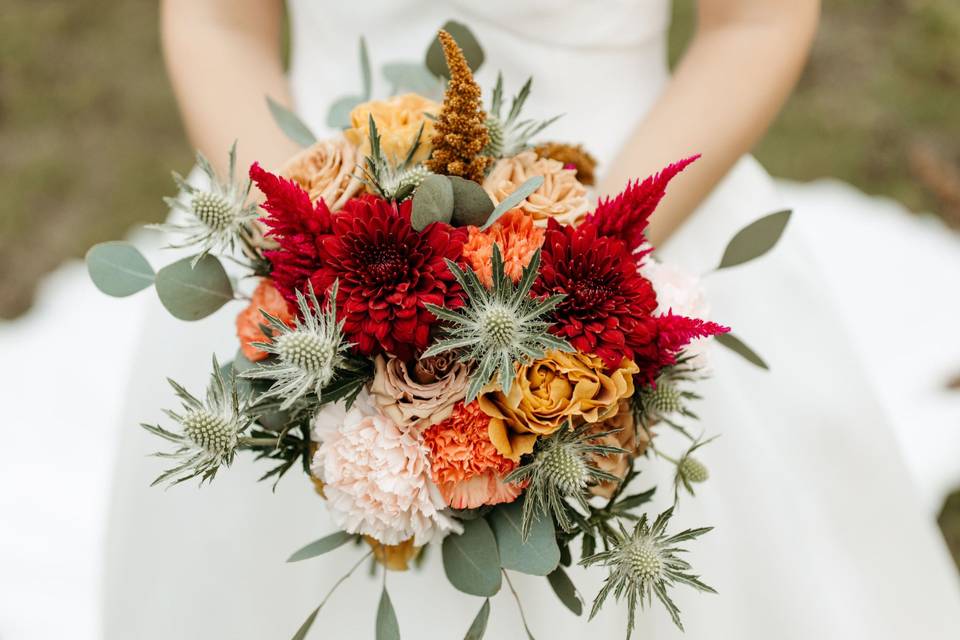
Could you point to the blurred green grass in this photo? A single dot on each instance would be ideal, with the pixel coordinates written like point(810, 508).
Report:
point(89, 129)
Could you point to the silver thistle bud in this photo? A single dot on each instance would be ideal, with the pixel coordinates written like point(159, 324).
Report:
point(664, 399)
point(693, 470)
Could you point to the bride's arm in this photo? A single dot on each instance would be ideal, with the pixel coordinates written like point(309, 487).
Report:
point(741, 66)
point(223, 58)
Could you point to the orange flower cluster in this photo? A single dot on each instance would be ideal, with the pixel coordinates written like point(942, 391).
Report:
point(461, 130)
point(265, 297)
point(464, 463)
point(518, 239)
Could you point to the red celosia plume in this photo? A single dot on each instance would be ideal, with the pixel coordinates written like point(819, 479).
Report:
point(626, 216)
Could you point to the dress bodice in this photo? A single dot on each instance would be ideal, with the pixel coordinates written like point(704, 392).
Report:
point(599, 62)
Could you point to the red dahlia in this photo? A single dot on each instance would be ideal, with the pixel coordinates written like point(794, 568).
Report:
point(387, 271)
point(608, 309)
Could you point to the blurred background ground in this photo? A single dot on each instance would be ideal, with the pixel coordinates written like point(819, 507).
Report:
point(89, 130)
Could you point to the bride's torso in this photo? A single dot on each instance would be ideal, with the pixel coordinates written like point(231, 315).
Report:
point(601, 63)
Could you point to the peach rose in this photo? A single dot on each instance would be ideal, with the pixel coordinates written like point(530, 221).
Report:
point(398, 121)
point(326, 170)
point(549, 392)
point(424, 394)
point(561, 196)
point(265, 297)
point(634, 441)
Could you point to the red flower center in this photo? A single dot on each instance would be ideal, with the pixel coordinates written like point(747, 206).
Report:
point(384, 264)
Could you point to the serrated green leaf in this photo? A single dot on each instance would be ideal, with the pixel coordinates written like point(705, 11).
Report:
point(472, 51)
point(387, 626)
point(479, 625)
point(471, 204)
point(470, 559)
point(191, 293)
point(539, 555)
point(118, 269)
point(514, 199)
point(563, 587)
point(291, 125)
point(754, 240)
point(739, 347)
point(323, 545)
point(413, 77)
point(432, 202)
point(338, 117)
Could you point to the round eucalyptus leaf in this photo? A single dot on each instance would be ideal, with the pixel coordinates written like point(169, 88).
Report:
point(118, 269)
point(472, 51)
point(193, 292)
point(471, 204)
point(432, 202)
point(539, 555)
point(470, 559)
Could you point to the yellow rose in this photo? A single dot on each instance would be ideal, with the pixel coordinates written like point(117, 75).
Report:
point(549, 392)
point(398, 121)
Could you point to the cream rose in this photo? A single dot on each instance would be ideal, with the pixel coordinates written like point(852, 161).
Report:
point(561, 196)
point(326, 170)
point(425, 395)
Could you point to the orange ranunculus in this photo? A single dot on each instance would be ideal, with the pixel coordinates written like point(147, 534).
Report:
point(464, 464)
point(265, 297)
point(550, 392)
point(517, 238)
point(398, 121)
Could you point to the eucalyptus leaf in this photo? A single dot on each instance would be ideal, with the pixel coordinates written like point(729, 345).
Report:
point(563, 587)
point(365, 72)
point(471, 204)
point(323, 545)
point(290, 124)
point(118, 269)
point(413, 77)
point(755, 239)
point(338, 117)
point(739, 347)
point(432, 202)
point(194, 292)
point(304, 629)
point(539, 554)
point(387, 626)
point(514, 199)
point(472, 51)
point(479, 625)
point(470, 559)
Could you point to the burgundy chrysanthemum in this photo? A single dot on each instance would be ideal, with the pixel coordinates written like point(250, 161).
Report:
point(626, 215)
point(387, 271)
point(608, 309)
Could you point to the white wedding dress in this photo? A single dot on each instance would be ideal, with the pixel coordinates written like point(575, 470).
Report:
point(820, 532)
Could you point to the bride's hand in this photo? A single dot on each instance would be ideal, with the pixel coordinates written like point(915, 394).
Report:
point(223, 58)
point(741, 66)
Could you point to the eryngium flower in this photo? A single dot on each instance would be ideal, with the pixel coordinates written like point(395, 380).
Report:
point(509, 135)
point(216, 215)
point(563, 467)
point(210, 430)
point(497, 327)
point(307, 354)
point(644, 563)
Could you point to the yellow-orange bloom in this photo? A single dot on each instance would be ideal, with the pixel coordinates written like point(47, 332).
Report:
point(398, 121)
point(265, 297)
point(395, 557)
point(549, 392)
point(464, 464)
point(517, 238)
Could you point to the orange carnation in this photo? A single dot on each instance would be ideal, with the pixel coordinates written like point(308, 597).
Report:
point(464, 463)
point(518, 239)
point(265, 297)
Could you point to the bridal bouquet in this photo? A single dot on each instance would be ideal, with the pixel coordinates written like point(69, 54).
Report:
point(454, 344)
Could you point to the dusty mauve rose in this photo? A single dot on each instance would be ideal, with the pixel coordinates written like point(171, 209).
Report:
point(561, 195)
point(326, 170)
point(549, 392)
point(265, 297)
point(398, 121)
point(634, 441)
point(425, 395)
